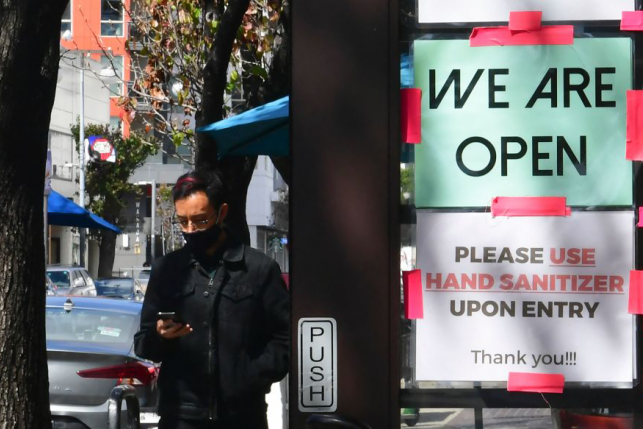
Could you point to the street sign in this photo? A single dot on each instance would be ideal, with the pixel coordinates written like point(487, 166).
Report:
point(317, 364)
point(100, 149)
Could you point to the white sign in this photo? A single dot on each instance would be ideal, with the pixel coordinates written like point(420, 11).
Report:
point(525, 294)
point(475, 11)
point(317, 365)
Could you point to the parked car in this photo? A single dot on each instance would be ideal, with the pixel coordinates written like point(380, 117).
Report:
point(71, 280)
point(119, 287)
point(599, 418)
point(144, 278)
point(89, 352)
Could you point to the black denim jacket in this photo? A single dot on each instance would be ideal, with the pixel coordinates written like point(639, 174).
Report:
point(240, 343)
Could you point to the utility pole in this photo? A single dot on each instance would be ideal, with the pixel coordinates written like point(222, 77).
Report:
point(82, 155)
point(153, 216)
point(152, 183)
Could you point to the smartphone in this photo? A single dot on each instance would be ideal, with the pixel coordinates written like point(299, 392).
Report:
point(170, 315)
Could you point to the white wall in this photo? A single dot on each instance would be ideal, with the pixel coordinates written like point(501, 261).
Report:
point(258, 205)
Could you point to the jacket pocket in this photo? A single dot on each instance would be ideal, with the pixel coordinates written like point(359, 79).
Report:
point(237, 312)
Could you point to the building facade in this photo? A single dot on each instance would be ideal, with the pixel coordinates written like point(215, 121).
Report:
point(63, 242)
point(100, 31)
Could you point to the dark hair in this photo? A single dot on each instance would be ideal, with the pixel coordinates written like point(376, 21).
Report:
point(200, 180)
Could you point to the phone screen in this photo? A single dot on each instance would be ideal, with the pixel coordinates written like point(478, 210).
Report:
point(169, 315)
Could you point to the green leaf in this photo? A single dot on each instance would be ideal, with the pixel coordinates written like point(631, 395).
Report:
point(259, 71)
point(178, 138)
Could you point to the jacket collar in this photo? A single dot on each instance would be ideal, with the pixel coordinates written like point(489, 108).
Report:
point(234, 249)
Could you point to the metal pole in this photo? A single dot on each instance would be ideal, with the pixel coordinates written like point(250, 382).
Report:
point(153, 216)
point(163, 232)
point(81, 138)
point(45, 208)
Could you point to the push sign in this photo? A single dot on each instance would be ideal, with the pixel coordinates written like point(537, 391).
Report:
point(317, 365)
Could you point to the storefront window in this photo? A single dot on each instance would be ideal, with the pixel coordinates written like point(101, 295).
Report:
point(518, 217)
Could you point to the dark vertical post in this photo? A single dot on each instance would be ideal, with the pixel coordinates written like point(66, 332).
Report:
point(345, 197)
point(637, 406)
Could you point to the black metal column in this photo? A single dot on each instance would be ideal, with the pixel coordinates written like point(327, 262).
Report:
point(345, 196)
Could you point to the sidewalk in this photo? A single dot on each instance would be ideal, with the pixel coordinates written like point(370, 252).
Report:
point(510, 418)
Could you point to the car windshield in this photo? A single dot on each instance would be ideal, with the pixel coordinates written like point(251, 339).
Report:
point(60, 278)
point(120, 288)
point(144, 275)
point(90, 326)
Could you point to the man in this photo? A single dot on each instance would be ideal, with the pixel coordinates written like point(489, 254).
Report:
point(227, 340)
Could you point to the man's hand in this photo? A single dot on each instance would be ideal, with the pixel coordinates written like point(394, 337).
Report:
point(169, 330)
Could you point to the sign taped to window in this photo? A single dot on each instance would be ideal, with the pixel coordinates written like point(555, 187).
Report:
point(474, 11)
point(538, 120)
point(525, 294)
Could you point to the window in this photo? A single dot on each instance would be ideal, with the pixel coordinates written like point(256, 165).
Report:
point(90, 325)
point(115, 122)
point(85, 276)
point(65, 22)
point(60, 278)
point(115, 84)
point(78, 276)
point(111, 18)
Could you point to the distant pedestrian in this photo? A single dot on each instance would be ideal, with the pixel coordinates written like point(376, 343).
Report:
point(146, 264)
point(229, 337)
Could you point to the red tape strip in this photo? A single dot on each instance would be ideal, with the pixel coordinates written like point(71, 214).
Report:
point(531, 382)
point(530, 206)
point(634, 132)
point(635, 299)
point(503, 36)
point(411, 115)
point(640, 223)
point(413, 300)
point(632, 20)
point(525, 21)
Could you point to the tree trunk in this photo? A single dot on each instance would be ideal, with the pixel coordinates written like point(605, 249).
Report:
point(29, 51)
point(107, 252)
point(278, 84)
point(235, 174)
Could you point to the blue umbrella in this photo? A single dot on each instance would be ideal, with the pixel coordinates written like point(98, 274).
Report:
point(259, 131)
point(63, 212)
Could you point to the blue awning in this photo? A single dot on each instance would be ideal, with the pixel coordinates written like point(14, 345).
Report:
point(64, 212)
point(263, 130)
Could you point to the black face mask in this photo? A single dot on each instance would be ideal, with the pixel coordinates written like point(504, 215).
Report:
point(200, 241)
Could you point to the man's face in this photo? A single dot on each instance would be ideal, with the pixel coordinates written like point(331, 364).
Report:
point(195, 213)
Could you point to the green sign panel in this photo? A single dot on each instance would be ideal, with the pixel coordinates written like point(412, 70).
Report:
point(523, 121)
